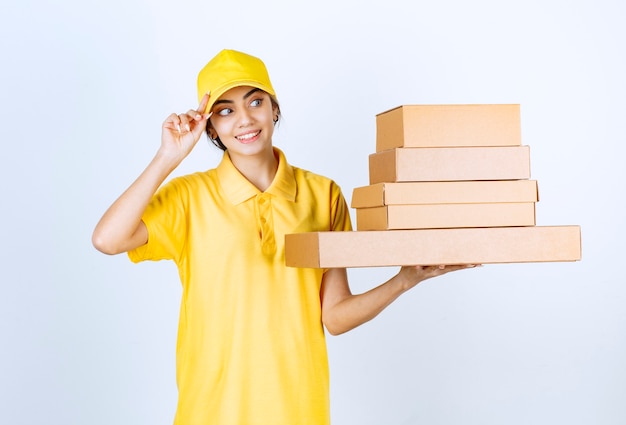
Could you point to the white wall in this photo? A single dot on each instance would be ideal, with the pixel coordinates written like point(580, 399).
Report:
point(89, 339)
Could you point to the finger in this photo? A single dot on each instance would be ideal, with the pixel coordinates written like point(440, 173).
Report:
point(194, 115)
point(469, 266)
point(172, 122)
point(455, 267)
point(203, 103)
point(184, 122)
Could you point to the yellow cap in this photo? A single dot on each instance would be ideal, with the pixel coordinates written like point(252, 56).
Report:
point(229, 69)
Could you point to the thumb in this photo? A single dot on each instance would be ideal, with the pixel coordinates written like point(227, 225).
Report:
point(200, 124)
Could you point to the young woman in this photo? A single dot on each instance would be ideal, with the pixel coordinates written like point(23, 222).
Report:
point(251, 347)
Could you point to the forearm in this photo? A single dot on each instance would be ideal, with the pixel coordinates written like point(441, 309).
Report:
point(342, 311)
point(120, 228)
point(354, 310)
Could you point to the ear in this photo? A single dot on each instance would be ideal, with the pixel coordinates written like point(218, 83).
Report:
point(276, 113)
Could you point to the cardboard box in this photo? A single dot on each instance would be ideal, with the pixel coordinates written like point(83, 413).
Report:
point(433, 246)
point(448, 126)
point(450, 164)
point(467, 192)
point(441, 216)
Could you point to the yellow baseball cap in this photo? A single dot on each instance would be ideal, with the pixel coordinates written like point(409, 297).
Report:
point(229, 69)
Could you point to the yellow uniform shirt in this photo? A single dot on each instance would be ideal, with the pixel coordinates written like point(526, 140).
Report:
point(251, 347)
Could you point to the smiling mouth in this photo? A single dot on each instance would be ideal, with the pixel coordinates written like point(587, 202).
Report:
point(248, 136)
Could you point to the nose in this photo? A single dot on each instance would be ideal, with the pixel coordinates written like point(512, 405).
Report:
point(245, 118)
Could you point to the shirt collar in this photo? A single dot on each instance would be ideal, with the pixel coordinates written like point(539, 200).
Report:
point(238, 189)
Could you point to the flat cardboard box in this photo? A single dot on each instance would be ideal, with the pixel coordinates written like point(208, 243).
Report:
point(467, 192)
point(448, 126)
point(450, 164)
point(441, 216)
point(433, 246)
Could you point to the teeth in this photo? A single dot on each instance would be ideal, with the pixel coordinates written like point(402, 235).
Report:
point(247, 136)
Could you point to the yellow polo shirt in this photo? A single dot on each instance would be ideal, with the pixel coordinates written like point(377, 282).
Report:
point(251, 347)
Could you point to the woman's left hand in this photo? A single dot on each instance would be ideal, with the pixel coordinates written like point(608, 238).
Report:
point(412, 275)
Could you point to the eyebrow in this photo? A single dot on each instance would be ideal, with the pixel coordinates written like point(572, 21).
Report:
point(245, 96)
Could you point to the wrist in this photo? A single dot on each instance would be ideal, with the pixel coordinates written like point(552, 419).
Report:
point(408, 278)
point(166, 160)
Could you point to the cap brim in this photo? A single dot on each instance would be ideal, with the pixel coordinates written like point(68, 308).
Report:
point(215, 94)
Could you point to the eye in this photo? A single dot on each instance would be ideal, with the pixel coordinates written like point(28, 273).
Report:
point(256, 102)
point(224, 112)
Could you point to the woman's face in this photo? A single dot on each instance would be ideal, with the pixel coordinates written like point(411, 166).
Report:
point(243, 119)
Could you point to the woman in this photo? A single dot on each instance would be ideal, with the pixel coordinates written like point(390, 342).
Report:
point(251, 346)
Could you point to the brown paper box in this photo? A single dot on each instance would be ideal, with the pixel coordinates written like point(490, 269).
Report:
point(468, 192)
point(438, 216)
point(450, 164)
point(433, 246)
point(448, 125)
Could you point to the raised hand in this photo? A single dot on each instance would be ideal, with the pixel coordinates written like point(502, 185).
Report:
point(181, 132)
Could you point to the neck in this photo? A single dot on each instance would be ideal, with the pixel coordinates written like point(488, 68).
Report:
point(259, 169)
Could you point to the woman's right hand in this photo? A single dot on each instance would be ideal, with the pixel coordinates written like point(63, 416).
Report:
point(181, 132)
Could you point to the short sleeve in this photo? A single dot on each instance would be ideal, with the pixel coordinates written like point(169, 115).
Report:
point(340, 214)
point(165, 219)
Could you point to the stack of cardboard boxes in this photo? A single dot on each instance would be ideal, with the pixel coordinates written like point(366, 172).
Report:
point(449, 184)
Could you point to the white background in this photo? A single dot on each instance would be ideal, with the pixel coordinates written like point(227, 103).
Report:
point(90, 339)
